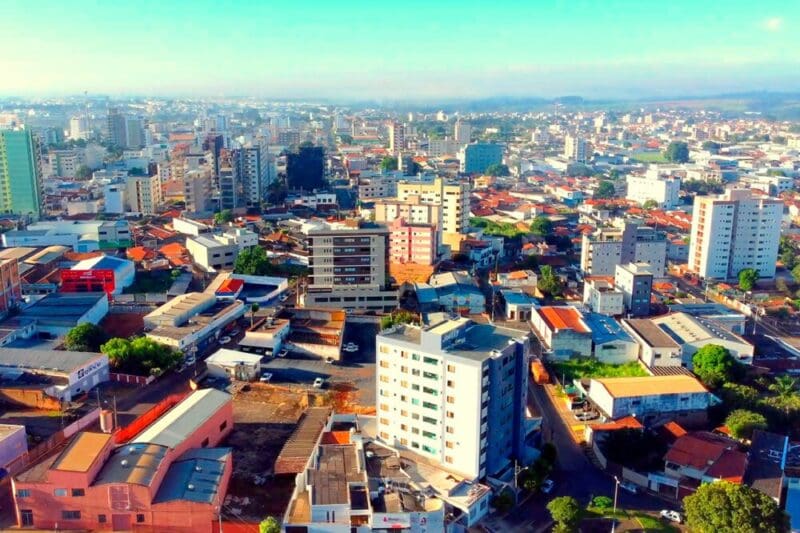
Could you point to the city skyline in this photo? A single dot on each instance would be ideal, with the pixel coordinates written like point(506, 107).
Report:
point(420, 52)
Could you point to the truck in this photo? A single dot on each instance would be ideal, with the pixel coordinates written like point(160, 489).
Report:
point(539, 372)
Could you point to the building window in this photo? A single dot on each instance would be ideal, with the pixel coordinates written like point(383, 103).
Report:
point(71, 515)
point(101, 519)
point(26, 517)
point(59, 492)
point(204, 444)
point(78, 492)
point(451, 368)
point(24, 493)
point(448, 459)
point(140, 518)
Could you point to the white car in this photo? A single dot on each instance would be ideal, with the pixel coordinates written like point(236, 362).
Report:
point(672, 516)
point(350, 347)
point(630, 487)
point(224, 340)
point(284, 297)
point(265, 377)
point(547, 486)
point(283, 353)
point(318, 383)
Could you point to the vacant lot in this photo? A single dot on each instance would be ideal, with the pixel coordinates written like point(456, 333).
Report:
point(586, 367)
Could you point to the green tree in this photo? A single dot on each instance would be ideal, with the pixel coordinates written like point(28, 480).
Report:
point(565, 510)
point(398, 317)
point(714, 365)
point(711, 146)
point(541, 226)
point(796, 273)
point(118, 351)
point(605, 190)
point(677, 152)
point(737, 396)
point(723, 506)
point(83, 173)
point(269, 525)
point(784, 386)
point(345, 139)
point(388, 164)
point(742, 422)
point(503, 502)
point(549, 283)
point(602, 502)
point(84, 338)
point(747, 279)
point(252, 261)
point(223, 217)
point(142, 356)
point(497, 169)
point(254, 307)
point(650, 204)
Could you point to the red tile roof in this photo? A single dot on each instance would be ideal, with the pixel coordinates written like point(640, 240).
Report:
point(230, 285)
point(563, 318)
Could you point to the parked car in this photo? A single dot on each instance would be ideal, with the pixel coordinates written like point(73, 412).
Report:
point(318, 383)
point(225, 340)
point(265, 377)
point(630, 487)
point(672, 516)
point(350, 347)
point(283, 353)
point(586, 416)
point(547, 486)
point(284, 297)
point(329, 360)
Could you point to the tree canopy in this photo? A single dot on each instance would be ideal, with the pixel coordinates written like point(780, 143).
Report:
point(388, 163)
point(541, 226)
point(714, 365)
point(742, 422)
point(605, 190)
point(565, 510)
point(677, 152)
point(498, 169)
point(83, 173)
point(549, 283)
point(85, 338)
point(269, 525)
point(748, 278)
point(252, 261)
point(223, 217)
point(650, 204)
point(723, 506)
point(141, 356)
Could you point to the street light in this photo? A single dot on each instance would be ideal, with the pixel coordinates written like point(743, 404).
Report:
point(616, 491)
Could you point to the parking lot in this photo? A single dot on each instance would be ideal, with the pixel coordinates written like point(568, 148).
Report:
point(356, 369)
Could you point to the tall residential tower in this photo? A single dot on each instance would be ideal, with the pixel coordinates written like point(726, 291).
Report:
point(20, 173)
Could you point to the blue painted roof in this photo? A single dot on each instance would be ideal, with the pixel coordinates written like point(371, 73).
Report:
point(605, 329)
point(518, 298)
point(195, 476)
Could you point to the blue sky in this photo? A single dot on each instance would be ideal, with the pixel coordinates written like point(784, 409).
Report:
point(399, 49)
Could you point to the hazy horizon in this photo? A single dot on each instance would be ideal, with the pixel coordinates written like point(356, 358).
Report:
point(410, 51)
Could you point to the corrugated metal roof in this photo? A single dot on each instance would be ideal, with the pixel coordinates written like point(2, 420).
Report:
point(195, 476)
point(132, 463)
point(184, 419)
point(82, 452)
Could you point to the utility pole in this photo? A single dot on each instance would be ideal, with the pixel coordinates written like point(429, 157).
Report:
point(614, 519)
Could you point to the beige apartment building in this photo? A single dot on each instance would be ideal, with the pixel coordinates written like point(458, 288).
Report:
point(453, 197)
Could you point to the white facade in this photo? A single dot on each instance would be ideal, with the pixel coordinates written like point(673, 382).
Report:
point(143, 194)
point(212, 254)
point(663, 189)
point(114, 196)
point(575, 148)
point(603, 298)
point(462, 132)
point(735, 231)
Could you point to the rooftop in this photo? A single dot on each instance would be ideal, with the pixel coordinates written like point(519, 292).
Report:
point(298, 448)
point(46, 360)
point(132, 463)
point(182, 420)
point(62, 308)
point(82, 452)
point(103, 262)
point(605, 329)
point(766, 462)
point(195, 476)
point(649, 386)
point(651, 333)
point(227, 356)
point(337, 467)
point(563, 317)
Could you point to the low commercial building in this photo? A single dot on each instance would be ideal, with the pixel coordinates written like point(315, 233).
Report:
point(191, 320)
point(562, 331)
point(57, 313)
point(169, 477)
point(316, 332)
point(187, 226)
point(233, 364)
point(651, 399)
point(610, 343)
point(518, 305)
point(656, 348)
point(212, 254)
point(266, 335)
point(457, 292)
point(720, 314)
point(518, 279)
point(692, 333)
point(81, 236)
point(59, 374)
point(603, 297)
point(124, 271)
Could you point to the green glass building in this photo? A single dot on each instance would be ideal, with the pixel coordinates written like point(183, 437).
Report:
point(20, 173)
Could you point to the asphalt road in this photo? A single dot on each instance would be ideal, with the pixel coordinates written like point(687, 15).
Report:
point(575, 476)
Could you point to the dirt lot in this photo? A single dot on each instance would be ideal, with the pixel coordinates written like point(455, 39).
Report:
point(264, 417)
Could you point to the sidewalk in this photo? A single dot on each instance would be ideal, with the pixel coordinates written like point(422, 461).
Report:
point(576, 428)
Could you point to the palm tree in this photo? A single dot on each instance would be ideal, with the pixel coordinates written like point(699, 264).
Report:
point(254, 307)
point(784, 386)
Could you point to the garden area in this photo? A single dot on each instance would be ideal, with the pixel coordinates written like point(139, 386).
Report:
point(589, 367)
point(157, 281)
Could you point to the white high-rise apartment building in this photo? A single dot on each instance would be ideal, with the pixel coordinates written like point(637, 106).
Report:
point(78, 128)
point(455, 393)
point(734, 231)
point(664, 190)
point(575, 148)
point(462, 132)
point(397, 137)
